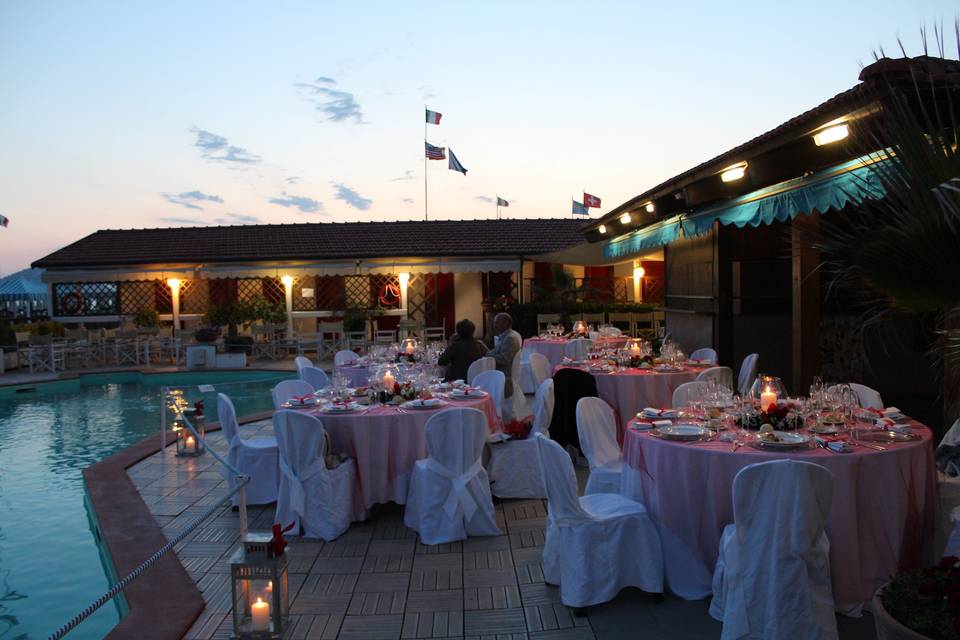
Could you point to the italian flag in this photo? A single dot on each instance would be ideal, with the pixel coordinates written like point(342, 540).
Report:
point(4, 220)
point(433, 117)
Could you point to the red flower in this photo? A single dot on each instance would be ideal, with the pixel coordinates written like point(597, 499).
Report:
point(396, 388)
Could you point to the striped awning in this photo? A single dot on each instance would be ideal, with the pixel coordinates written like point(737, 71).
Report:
point(23, 285)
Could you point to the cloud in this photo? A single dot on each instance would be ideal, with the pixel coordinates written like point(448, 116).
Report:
point(351, 197)
point(292, 180)
point(484, 199)
point(408, 200)
point(184, 221)
point(189, 198)
point(426, 92)
point(336, 106)
point(407, 175)
point(304, 204)
point(218, 149)
point(228, 219)
point(238, 218)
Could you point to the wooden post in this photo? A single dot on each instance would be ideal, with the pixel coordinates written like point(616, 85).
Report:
point(806, 302)
point(723, 297)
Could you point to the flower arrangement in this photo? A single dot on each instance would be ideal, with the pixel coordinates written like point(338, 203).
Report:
point(519, 429)
point(401, 393)
point(783, 416)
point(636, 361)
point(926, 600)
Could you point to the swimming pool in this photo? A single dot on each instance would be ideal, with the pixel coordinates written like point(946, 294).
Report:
point(50, 564)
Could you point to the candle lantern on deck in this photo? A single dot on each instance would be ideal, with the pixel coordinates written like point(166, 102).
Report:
point(188, 444)
point(259, 587)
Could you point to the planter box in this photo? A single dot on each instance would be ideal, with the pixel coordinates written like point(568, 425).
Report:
point(887, 627)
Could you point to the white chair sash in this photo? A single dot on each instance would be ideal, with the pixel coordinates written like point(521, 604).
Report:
point(460, 494)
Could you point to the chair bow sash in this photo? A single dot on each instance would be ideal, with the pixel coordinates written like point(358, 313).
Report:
point(460, 494)
point(298, 495)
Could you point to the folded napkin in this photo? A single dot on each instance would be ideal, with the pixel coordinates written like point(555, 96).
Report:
point(885, 423)
point(650, 412)
point(837, 444)
point(890, 412)
point(661, 423)
point(302, 399)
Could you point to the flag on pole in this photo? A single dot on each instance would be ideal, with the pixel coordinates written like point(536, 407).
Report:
point(433, 117)
point(454, 164)
point(435, 153)
point(4, 221)
point(579, 209)
point(501, 202)
point(590, 201)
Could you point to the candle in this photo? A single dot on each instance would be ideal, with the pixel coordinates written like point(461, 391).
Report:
point(634, 349)
point(767, 399)
point(388, 380)
point(190, 442)
point(410, 349)
point(260, 612)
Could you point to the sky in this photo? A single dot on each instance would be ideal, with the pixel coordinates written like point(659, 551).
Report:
point(153, 114)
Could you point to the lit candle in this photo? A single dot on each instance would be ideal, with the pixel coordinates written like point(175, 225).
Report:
point(260, 612)
point(190, 442)
point(410, 349)
point(388, 380)
point(767, 399)
point(634, 349)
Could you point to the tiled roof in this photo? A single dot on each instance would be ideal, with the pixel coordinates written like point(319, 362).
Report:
point(319, 241)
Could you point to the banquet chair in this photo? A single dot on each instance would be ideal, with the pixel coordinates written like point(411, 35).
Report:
point(287, 389)
point(546, 319)
point(597, 428)
point(257, 458)
point(570, 385)
point(688, 392)
point(345, 356)
point(772, 578)
point(302, 361)
point(706, 354)
point(866, 397)
point(597, 544)
point(492, 382)
point(316, 376)
point(948, 486)
point(626, 322)
point(514, 465)
point(479, 366)
point(435, 334)
point(449, 497)
point(721, 375)
point(534, 372)
point(513, 406)
point(385, 336)
point(748, 373)
point(578, 349)
point(318, 500)
point(594, 318)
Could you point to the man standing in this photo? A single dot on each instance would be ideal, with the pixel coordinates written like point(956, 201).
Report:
point(506, 344)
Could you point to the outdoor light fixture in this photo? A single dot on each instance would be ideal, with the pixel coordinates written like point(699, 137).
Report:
point(734, 172)
point(188, 445)
point(638, 273)
point(259, 588)
point(626, 219)
point(602, 229)
point(173, 283)
point(649, 207)
point(831, 134)
point(287, 281)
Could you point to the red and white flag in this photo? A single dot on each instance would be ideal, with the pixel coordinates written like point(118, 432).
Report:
point(590, 201)
point(433, 117)
point(435, 153)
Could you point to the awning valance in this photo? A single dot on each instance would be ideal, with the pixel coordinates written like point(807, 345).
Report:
point(828, 190)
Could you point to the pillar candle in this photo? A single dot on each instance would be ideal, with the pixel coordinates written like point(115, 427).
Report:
point(767, 399)
point(260, 612)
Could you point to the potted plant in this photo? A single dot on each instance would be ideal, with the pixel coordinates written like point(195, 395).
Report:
point(923, 603)
point(207, 335)
point(232, 315)
point(146, 319)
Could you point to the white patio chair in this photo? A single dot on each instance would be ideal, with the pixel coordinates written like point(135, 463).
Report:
point(534, 372)
point(720, 375)
point(287, 389)
point(688, 392)
point(449, 497)
point(126, 348)
point(514, 465)
point(316, 376)
point(435, 334)
point(706, 354)
point(492, 381)
point(258, 458)
point(345, 356)
point(479, 366)
point(319, 500)
point(544, 320)
point(357, 340)
point(597, 544)
point(597, 428)
point(43, 354)
point(772, 578)
point(594, 318)
point(866, 397)
point(748, 373)
point(310, 343)
point(385, 336)
point(302, 361)
point(330, 338)
point(578, 349)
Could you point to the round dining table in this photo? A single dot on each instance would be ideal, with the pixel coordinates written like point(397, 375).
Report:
point(881, 520)
point(386, 441)
point(553, 349)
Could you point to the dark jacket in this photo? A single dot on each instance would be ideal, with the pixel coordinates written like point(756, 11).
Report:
point(458, 357)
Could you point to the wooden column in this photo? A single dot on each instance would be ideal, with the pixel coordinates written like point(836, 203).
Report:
point(723, 297)
point(806, 302)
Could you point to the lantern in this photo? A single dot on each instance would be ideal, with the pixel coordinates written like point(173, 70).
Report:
point(408, 346)
point(580, 328)
point(385, 377)
point(260, 589)
point(766, 390)
point(189, 445)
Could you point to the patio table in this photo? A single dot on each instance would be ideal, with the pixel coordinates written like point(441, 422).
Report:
point(881, 518)
point(553, 348)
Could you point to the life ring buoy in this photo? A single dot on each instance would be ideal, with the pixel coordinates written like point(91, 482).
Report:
point(390, 295)
point(71, 303)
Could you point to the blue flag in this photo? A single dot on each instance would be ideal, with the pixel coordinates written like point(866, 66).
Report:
point(579, 209)
point(454, 164)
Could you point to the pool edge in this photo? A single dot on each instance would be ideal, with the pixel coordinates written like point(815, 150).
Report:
point(164, 602)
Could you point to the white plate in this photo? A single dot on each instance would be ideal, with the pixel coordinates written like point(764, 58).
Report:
point(683, 432)
point(460, 394)
point(339, 408)
point(432, 403)
point(825, 429)
point(306, 402)
point(787, 440)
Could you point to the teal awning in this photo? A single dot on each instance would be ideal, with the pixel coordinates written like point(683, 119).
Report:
point(828, 190)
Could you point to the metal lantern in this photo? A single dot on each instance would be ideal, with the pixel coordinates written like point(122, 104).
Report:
point(260, 589)
point(408, 346)
point(580, 328)
point(188, 445)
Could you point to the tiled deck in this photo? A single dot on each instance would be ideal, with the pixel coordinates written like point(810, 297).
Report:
point(378, 581)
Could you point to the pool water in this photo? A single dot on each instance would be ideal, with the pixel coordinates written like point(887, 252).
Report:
point(50, 563)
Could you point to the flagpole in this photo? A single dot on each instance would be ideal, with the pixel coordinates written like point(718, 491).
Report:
point(426, 210)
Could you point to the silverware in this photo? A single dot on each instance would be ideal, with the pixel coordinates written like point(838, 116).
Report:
point(870, 445)
point(823, 445)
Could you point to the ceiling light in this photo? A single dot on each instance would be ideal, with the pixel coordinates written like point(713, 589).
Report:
point(649, 207)
point(626, 219)
point(831, 134)
point(733, 172)
point(602, 228)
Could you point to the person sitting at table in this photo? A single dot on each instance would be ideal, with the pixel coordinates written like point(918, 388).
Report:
point(506, 344)
point(461, 352)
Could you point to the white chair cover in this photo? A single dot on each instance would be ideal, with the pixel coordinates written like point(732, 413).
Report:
point(705, 354)
point(721, 375)
point(953, 542)
point(772, 578)
point(479, 366)
point(255, 457)
point(318, 499)
point(301, 362)
point(598, 544)
point(449, 497)
point(533, 372)
point(688, 392)
point(578, 349)
point(748, 373)
point(948, 487)
point(514, 465)
point(513, 406)
point(345, 356)
point(316, 376)
point(869, 398)
point(597, 428)
point(287, 389)
point(492, 382)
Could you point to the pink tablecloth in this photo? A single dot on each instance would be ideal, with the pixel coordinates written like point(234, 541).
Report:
point(386, 443)
point(881, 520)
point(553, 348)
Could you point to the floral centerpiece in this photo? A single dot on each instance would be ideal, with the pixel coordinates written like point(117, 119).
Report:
point(400, 392)
point(926, 601)
point(783, 416)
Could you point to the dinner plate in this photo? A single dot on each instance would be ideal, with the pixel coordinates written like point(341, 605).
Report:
point(341, 408)
point(785, 440)
point(683, 432)
point(304, 402)
point(430, 403)
point(460, 394)
point(888, 436)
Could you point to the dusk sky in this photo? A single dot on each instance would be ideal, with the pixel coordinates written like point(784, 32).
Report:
point(136, 114)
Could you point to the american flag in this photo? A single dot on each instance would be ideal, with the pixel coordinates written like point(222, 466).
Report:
point(435, 153)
